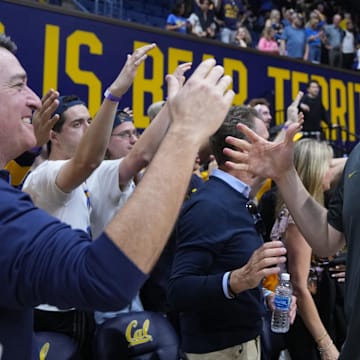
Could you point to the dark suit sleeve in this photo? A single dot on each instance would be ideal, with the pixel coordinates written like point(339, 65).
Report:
point(193, 281)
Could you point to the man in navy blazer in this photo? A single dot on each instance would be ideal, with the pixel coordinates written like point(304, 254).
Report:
point(221, 258)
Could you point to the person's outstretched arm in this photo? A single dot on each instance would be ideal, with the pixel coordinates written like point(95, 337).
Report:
point(299, 259)
point(143, 225)
point(148, 143)
point(292, 116)
point(275, 160)
point(91, 150)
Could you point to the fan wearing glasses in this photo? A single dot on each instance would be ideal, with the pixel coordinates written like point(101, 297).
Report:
point(221, 258)
point(123, 137)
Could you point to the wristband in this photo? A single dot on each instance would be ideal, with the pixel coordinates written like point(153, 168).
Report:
point(322, 337)
point(109, 96)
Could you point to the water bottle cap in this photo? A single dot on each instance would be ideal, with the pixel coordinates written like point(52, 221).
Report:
point(285, 276)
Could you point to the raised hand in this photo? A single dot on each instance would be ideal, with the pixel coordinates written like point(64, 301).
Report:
point(179, 76)
point(292, 112)
point(127, 74)
point(180, 71)
point(42, 120)
point(263, 262)
point(129, 111)
point(200, 106)
point(259, 156)
point(293, 116)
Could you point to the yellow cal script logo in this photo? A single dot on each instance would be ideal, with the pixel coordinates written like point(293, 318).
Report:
point(139, 336)
point(350, 175)
point(44, 351)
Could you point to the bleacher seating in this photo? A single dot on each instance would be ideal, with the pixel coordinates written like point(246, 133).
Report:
point(150, 12)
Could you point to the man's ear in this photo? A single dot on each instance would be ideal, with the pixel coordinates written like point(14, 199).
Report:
point(53, 136)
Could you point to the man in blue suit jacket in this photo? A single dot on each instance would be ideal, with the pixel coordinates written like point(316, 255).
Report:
point(221, 258)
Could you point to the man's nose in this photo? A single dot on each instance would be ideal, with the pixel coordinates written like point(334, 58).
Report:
point(32, 99)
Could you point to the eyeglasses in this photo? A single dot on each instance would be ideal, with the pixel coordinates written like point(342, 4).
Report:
point(258, 221)
point(127, 134)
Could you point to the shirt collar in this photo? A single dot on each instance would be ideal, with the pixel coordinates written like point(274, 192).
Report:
point(232, 181)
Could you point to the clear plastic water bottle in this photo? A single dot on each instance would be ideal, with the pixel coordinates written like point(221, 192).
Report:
point(280, 321)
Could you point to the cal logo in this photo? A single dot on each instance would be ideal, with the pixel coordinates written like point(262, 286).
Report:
point(44, 351)
point(139, 335)
point(350, 175)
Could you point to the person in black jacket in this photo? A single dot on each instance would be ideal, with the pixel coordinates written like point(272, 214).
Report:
point(314, 112)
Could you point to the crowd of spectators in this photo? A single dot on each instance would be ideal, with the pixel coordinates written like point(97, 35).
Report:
point(326, 32)
point(314, 31)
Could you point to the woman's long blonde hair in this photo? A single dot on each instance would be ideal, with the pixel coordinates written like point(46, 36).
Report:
point(311, 160)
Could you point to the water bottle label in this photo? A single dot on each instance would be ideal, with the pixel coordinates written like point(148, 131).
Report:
point(282, 302)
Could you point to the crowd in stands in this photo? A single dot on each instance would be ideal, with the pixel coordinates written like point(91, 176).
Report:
point(325, 32)
point(318, 32)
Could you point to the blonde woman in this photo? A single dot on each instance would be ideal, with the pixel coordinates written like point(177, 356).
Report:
point(242, 37)
point(308, 338)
